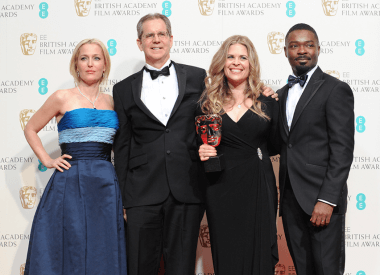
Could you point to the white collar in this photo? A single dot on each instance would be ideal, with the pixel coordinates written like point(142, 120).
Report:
point(153, 68)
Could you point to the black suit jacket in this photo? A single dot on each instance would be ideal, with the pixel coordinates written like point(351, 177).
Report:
point(152, 159)
point(317, 152)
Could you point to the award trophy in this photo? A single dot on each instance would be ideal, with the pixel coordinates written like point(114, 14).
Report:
point(209, 129)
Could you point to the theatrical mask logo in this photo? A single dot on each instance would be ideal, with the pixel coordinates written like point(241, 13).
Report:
point(275, 42)
point(330, 8)
point(22, 269)
point(204, 236)
point(333, 73)
point(279, 269)
point(28, 195)
point(82, 7)
point(206, 7)
point(25, 115)
point(28, 43)
point(209, 129)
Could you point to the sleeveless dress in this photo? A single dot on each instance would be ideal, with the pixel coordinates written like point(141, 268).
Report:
point(78, 227)
point(241, 201)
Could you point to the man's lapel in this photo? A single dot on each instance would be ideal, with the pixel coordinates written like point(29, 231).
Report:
point(283, 98)
point(181, 78)
point(136, 90)
point(312, 87)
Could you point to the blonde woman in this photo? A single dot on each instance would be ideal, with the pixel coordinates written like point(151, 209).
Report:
point(78, 227)
point(241, 201)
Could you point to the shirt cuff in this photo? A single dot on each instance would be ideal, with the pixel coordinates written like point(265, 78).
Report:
point(327, 202)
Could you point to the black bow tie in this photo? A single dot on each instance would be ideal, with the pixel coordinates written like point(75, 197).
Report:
point(154, 74)
point(299, 79)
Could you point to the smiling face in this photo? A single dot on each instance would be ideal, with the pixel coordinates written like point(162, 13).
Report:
point(91, 63)
point(155, 42)
point(302, 51)
point(236, 68)
point(209, 129)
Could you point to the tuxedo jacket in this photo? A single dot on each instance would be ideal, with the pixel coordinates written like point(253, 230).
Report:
point(317, 151)
point(151, 159)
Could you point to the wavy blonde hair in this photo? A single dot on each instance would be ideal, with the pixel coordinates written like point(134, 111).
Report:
point(74, 60)
point(218, 93)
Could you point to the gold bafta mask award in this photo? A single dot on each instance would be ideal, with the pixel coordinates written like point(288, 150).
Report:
point(206, 7)
point(209, 130)
point(330, 8)
point(28, 195)
point(28, 43)
point(82, 7)
point(275, 42)
point(22, 269)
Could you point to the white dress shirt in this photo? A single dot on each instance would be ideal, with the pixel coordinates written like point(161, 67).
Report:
point(160, 95)
point(294, 95)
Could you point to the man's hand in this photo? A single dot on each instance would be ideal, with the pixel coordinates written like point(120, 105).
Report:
point(269, 92)
point(125, 214)
point(321, 214)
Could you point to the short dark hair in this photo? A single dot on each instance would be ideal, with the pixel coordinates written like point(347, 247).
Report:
point(301, 26)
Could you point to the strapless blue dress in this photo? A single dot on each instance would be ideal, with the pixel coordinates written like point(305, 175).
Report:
point(78, 227)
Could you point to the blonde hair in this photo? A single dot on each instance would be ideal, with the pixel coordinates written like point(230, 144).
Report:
point(218, 93)
point(74, 59)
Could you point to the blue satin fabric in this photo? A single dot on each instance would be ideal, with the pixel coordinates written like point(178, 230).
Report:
point(88, 125)
point(78, 227)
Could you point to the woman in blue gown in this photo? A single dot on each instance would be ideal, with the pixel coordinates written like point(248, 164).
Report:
point(78, 227)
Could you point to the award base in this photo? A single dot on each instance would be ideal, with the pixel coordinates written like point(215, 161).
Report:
point(215, 164)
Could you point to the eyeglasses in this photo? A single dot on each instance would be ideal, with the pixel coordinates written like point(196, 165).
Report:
point(160, 35)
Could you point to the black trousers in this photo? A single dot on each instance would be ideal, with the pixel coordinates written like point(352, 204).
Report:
point(170, 229)
point(314, 250)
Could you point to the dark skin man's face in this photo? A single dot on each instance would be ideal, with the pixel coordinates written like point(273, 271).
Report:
point(302, 51)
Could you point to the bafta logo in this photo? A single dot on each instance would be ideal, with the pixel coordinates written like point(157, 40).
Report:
point(204, 236)
point(330, 8)
point(279, 269)
point(28, 195)
point(25, 115)
point(82, 7)
point(275, 42)
point(206, 7)
point(22, 269)
point(28, 43)
point(333, 73)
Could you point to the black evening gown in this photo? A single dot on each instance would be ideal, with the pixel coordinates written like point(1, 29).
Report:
point(242, 199)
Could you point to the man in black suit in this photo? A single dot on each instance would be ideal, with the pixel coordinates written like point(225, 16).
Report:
point(317, 133)
point(156, 155)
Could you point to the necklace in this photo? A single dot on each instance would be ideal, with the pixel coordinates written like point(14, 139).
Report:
point(93, 103)
point(239, 105)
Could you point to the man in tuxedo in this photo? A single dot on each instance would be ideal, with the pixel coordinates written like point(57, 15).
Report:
point(156, 155)
point(317, 143)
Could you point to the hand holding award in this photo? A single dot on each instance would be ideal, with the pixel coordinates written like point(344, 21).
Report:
point(209, 129)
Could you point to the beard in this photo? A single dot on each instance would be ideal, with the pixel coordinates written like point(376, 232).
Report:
point(302, 69)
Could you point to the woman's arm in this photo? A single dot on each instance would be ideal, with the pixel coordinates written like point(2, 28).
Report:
point(51, 108)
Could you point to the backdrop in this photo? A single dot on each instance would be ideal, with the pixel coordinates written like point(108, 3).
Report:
point(37, 39)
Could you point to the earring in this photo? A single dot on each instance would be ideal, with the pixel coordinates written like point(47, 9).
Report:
point(78, 73)
point(103, 75)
